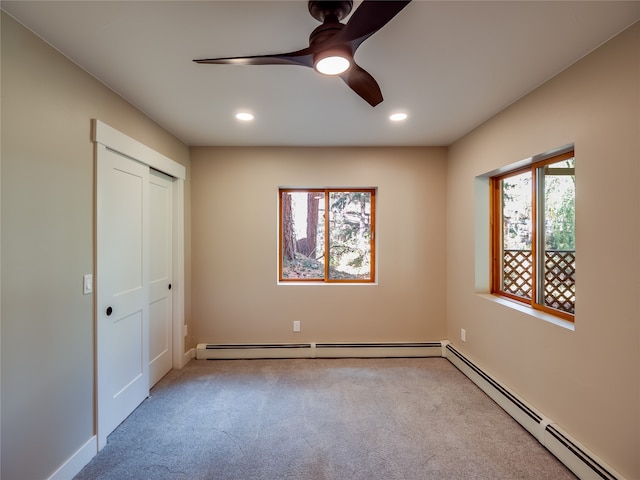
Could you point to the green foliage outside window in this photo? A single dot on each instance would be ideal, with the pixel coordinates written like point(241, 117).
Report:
point(308, 254)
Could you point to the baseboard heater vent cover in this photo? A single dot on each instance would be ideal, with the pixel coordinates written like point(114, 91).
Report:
point(371, 350)
point(208, 351)
point(576, 457)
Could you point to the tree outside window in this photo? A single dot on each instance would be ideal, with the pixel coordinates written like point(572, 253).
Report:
point(327, 235)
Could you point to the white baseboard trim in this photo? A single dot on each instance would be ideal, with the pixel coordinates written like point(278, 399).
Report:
point(77, 461)
point(188, 355)
point(575, 456)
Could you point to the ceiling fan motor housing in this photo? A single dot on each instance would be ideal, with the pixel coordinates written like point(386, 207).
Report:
point(325, 32)
point(329, 13)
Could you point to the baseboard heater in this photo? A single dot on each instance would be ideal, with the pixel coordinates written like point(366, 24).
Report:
point(208, 351)
point(575, 456)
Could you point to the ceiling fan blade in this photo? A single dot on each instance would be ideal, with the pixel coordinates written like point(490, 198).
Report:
point(302, 57)
point(361, 82)
point(368, 18)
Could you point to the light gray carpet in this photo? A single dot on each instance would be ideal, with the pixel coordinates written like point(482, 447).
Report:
point(321, 419)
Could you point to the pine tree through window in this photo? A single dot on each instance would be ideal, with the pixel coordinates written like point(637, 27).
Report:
point(327, 235)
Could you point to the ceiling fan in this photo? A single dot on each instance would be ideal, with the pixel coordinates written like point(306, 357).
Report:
point(333, 44)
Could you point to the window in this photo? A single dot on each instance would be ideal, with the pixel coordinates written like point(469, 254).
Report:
point(533, 235)
point(327, 235)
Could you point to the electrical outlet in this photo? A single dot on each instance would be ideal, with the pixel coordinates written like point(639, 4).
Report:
point(296, 325)
point(463, 335)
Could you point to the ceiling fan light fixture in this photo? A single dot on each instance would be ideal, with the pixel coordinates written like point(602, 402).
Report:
point(333, 64)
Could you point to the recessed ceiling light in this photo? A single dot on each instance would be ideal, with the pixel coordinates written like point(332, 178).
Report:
point(244, 116)
point(398, 117)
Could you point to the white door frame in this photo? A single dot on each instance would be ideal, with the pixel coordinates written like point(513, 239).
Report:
point(111, 138)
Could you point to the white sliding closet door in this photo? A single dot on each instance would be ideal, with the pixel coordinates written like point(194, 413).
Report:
point(160, 273)
point(123, 286)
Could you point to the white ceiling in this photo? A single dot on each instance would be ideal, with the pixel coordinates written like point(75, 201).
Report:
point(450, 65)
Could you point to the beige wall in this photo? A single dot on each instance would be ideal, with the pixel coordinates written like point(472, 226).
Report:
point(47, 245)
point(586, 380)
point(235, 294)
